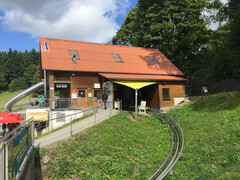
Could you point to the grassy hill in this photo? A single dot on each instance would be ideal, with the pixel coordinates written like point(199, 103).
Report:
point(122, 149)
point(211, 128)
point(118, 148)
point(6, 96)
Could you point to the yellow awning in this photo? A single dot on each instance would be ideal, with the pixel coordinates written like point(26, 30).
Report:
point(135, 85)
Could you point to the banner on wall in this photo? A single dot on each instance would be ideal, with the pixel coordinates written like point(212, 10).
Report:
point(74, 94)
point(17, 151)
point(37, 116)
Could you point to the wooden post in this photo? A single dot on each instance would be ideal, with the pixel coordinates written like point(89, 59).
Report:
point(136, 94)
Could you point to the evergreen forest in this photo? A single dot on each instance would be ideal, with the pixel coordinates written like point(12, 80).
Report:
point(19, 70)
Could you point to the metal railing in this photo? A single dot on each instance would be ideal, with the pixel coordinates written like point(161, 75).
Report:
point(4, 142)
point(175, 149)
point(9, 151)
point(90, 107)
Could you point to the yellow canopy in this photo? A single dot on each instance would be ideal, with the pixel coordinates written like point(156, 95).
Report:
point(135, 85)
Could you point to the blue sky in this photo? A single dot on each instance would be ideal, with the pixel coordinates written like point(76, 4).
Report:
point(22, 22)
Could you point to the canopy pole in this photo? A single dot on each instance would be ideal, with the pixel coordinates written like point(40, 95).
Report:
point(136, 94)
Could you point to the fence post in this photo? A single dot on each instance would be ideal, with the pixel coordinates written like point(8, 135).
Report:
point(75, 113)
point(50, 123)
point(71, 126)
point(110, 110)
point(32, 131)
point(29, 101)
point(6, 160)
point(95, 114)
point(2, 162)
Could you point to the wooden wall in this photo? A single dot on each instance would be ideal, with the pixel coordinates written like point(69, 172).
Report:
point(79, 81)
point(176, 89)
point(155, 99)
point(84, 80)
point(51, 87)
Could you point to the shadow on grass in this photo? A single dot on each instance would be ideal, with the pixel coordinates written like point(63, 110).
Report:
point(217, 102)
point(37, 164)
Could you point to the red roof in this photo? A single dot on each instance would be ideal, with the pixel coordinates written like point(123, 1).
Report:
point(96, 57)
point(142, 77)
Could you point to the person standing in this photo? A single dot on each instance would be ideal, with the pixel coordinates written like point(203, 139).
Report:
point(4, 127)
point(98, 99)
point(39, 129)
point(104, 98)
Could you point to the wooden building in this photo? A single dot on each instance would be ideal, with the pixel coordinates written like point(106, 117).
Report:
point(76, 71)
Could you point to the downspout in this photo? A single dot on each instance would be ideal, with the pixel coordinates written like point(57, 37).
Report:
point(136, 95)
point(45, 87)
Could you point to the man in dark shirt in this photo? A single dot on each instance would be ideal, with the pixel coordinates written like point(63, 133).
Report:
point(104, 98)
point(4, 127)
point(39, 129)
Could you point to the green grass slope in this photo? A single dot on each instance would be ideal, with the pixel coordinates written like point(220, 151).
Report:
point(6, 96)
point(118, 148)
point(211, 128)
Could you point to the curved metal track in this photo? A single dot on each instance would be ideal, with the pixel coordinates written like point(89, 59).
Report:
point(176, 146)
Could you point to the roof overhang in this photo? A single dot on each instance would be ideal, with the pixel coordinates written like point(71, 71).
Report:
point(145, 77)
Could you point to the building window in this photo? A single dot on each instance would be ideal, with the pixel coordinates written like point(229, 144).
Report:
point(73, 54)
point(61, 76)
point(166, 94)
point(117, 58)
point(96, 91)
point(153, 60)
point(81, 93)
point(61, 86)
point(45, 47)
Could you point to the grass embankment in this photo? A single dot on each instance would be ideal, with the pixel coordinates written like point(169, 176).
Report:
point(118, 148)
point(6, 96)
point(211, 128)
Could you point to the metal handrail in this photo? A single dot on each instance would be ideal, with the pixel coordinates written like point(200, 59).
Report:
point(27, 120)
point(9, 136)
point(175, 149)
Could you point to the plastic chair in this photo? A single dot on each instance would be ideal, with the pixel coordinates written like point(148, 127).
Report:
point(142, 107)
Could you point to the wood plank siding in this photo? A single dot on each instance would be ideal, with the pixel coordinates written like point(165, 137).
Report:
point(85, 82)
point(176, 90)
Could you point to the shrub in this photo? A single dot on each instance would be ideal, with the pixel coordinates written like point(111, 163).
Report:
point(18, 83)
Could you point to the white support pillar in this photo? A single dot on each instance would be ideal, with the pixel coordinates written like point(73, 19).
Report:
point(136, 95)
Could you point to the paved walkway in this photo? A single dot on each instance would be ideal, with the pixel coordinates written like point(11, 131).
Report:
point(76, 128)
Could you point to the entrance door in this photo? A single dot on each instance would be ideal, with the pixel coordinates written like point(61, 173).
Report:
point(95, 91)
point(82, 98)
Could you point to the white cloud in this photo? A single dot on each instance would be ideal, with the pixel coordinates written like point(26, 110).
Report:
point(84, 20)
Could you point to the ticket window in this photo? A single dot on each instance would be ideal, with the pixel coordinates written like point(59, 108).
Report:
point(81, 93)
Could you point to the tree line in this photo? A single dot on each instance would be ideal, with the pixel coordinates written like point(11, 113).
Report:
point(180, 30)
point(19, 70)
